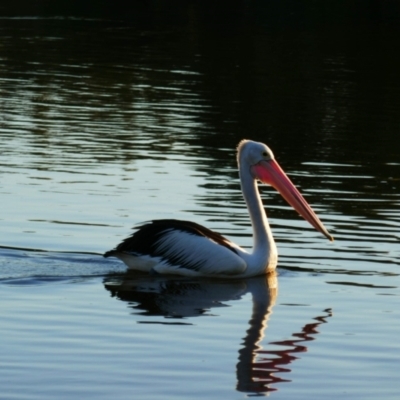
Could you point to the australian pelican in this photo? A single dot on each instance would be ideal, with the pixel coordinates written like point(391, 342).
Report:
point(170, 246)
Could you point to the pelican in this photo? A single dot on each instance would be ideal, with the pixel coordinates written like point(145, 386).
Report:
point(170, 246)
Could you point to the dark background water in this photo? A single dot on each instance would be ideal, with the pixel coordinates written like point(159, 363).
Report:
point(317, 81)
point(322, 74)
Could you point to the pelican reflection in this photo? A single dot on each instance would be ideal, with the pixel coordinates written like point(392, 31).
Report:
point(180, 298)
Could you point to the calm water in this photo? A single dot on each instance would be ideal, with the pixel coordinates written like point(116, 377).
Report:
point(105, 123)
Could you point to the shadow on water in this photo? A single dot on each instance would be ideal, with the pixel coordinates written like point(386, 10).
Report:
point(178, 298)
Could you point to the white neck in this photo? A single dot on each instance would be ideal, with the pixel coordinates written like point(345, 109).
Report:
point(264, 255)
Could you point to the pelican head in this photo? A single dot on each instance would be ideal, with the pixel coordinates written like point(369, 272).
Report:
point(259, 158)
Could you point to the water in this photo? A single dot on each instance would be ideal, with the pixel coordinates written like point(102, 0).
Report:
point(106, 123)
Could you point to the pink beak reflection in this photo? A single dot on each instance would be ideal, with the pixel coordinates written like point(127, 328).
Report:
point(270, 172)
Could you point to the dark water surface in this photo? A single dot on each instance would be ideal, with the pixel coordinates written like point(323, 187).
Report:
point(107, 121)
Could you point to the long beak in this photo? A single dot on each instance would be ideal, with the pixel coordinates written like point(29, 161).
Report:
point(270, 172)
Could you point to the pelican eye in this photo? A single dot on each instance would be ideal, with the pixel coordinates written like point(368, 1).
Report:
point(265, 154)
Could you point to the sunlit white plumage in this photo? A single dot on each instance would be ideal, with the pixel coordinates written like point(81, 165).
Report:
point(186, 248)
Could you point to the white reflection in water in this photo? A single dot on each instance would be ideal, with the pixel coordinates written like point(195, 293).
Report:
point(178, 299)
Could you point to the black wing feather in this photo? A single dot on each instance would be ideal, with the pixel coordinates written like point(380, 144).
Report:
point(144, 240)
